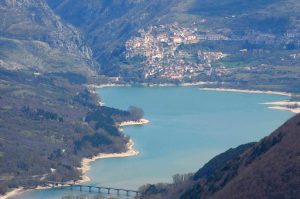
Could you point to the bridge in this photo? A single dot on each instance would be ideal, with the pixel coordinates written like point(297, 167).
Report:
point(94, 189)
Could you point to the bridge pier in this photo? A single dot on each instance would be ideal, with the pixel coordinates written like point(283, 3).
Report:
point(90, 188)
point(80, 187)
point(127, 193)
point(99, 189)
point(108, 190)
point(118, 192)
point(71, 186)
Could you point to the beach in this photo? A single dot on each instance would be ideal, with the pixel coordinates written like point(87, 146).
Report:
point(97, 86)
point(281, 105)
point(86, 162)
point(246, 91)
point(285, 106)
point(131, 123)
point(93, 87)
point(13, 192)
point(131, 151)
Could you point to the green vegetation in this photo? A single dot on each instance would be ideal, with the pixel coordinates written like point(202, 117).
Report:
point(44, 137)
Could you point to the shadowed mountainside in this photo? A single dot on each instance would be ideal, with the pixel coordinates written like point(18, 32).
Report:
point(267, 169)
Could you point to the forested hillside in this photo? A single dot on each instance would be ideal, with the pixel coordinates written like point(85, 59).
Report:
point(49, 120)
point(47, 124)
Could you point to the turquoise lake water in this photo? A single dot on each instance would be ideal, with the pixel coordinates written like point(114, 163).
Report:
point(187, 128)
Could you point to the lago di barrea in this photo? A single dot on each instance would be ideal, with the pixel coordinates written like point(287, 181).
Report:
point(187, 128)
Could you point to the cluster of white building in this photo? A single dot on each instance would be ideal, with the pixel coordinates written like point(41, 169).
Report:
point(162, 58)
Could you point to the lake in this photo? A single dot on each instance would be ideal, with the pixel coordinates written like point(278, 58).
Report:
point(187, 128)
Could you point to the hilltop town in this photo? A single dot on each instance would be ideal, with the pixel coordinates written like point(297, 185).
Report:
point(160, 50)
point(174, 52)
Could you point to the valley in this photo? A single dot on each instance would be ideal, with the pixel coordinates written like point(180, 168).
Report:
point(54, 54)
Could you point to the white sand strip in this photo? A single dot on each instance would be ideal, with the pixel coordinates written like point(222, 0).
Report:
point(86, 162)
point(246, 91)
point(131, 123)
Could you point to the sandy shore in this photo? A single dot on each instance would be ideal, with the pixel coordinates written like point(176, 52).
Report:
point(96, 86)
point(131, 123)
point(281, 105)
point(284, 105)
point(197, 84)
point(93, 87)
point(19, 191)
point(86, 162)
point(12, 193)
point(131, 151)
point(293, 110)
point(246, 91)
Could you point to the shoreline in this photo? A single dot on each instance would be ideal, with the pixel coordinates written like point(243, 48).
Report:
point(21, 190)
point(281, 108)
point(12, 193)
point(284, 106)
point(131, 151)
point(134, 123)
point(200, 83)
point(99, 86)
point(86, 162)
point(280, 105)
point(247, 91)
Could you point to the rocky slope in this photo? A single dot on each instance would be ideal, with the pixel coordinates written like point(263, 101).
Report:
point(33, 37)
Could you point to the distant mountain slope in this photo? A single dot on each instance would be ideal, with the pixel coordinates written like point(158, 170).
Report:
point(255, 38)
point(268, 169)
point(34, 38)
point(243, 17)
point(108, 24)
